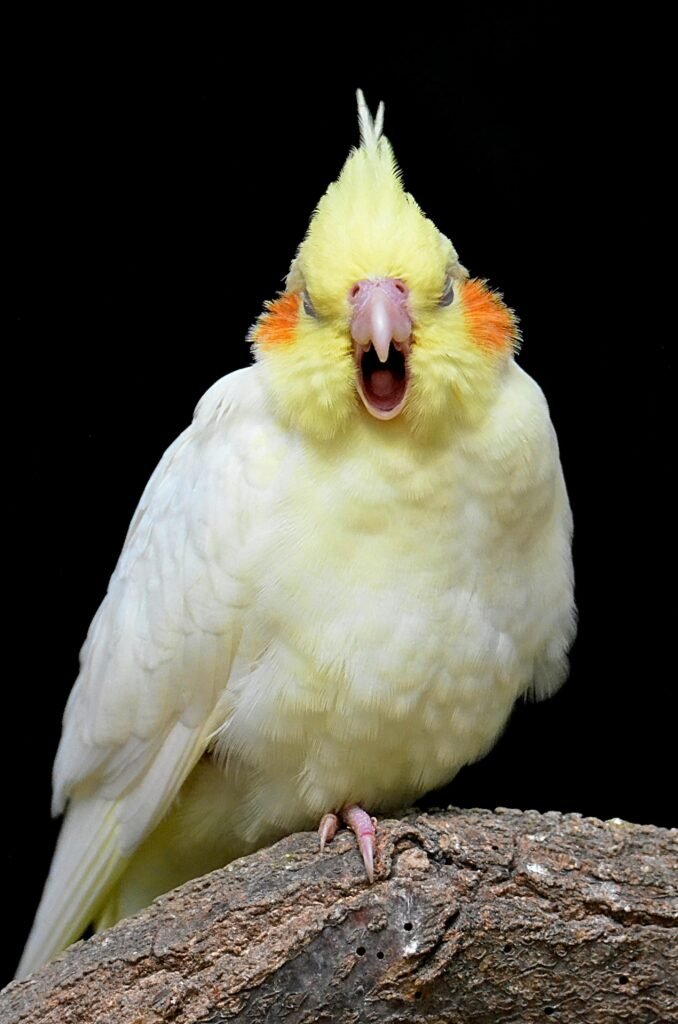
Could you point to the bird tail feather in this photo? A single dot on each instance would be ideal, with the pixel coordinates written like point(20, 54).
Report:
point(87, 862)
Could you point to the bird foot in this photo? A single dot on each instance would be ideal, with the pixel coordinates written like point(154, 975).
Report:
point(361, 824)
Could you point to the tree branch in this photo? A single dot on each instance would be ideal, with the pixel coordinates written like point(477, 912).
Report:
point(475, 918)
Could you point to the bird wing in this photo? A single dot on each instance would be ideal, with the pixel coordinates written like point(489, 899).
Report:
point(157, 657)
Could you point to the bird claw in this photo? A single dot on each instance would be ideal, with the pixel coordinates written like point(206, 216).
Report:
point(329, 826)
point(361, 824)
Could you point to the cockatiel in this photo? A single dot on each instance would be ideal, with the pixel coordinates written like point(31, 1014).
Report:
point(339, 578)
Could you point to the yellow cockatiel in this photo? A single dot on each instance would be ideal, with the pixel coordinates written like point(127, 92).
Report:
point(339, 578)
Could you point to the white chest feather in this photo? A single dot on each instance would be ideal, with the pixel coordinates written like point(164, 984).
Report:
point(404, 600)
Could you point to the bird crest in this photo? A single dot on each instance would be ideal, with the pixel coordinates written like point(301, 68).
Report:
point(366, 224)
point(370, 128)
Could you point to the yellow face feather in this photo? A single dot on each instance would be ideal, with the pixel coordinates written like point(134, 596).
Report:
point(366, 227)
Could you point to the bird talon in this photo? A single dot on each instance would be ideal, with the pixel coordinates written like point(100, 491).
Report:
point(327, 830)
point(366, 847)
point(363, 827)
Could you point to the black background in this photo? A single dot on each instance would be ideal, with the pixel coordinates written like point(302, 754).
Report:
point(162, 179)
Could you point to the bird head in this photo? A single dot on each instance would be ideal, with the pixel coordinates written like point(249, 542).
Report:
point(379, 318)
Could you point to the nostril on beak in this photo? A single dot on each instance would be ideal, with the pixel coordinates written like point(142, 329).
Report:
point(355, 290)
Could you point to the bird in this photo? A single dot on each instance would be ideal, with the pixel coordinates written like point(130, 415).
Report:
point(339, 579)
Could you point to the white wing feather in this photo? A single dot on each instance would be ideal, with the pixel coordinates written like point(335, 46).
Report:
point(157, 657)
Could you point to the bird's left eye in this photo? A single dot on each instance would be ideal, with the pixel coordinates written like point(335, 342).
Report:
point(447, 298)
point(309, 308)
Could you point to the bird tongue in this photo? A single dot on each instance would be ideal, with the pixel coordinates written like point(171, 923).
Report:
point(382, 383)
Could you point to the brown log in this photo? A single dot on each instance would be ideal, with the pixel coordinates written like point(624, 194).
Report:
point(474, 917)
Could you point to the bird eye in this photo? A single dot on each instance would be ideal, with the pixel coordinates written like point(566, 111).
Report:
point(447, 298)
point(309, 308)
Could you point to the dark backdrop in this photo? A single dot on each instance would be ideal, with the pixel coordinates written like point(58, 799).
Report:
point(160, 190)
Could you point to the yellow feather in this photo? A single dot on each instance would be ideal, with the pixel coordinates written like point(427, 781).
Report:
point(367, 226)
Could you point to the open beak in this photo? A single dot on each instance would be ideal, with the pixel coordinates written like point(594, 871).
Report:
point(381, 328)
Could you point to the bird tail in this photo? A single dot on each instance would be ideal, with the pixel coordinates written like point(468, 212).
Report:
point(87, 862)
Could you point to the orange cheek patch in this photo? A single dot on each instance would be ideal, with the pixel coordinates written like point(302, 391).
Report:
point(277, 326)
point(492, 324)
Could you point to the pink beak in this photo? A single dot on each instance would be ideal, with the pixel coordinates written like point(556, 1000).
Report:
point(380, 315)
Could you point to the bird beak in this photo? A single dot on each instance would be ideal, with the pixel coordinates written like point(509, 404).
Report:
point(380, 315)
point(381, 328)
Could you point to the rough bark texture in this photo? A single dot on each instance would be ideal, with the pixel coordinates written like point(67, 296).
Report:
point(475, 918)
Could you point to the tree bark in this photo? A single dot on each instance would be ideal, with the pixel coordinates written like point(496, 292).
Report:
point(474, 918)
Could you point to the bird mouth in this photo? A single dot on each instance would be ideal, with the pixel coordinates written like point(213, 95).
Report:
point(383, 386)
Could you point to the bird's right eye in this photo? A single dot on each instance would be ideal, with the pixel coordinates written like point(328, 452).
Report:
point(309, 308)
point(447, 298)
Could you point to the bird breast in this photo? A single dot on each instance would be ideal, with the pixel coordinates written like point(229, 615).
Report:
point(390, 633)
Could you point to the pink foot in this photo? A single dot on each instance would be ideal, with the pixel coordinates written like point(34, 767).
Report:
point(329, 826)
point(361, 824)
